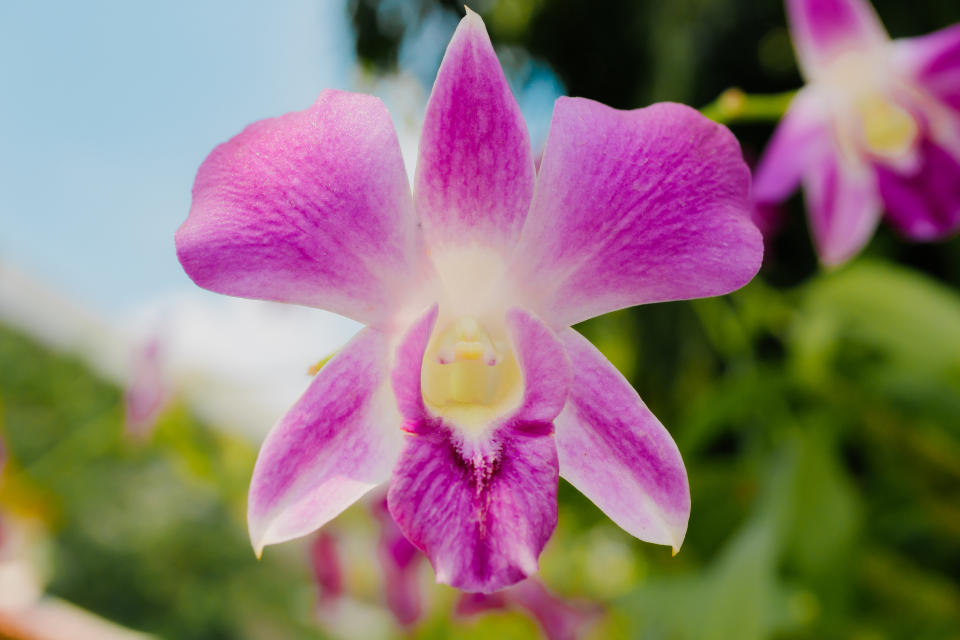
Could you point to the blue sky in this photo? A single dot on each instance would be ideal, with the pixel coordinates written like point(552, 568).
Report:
point(109, 107)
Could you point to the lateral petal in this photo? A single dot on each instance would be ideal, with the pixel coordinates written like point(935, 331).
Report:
point(616, 452)
point(545, 367)
point(312, 208)
point(338, 441)
point(633, 207)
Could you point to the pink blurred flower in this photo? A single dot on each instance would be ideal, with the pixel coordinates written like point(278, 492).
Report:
point(327, 570)
point(146, 394)
point(560, 619)
point(400, 561)
point(876, 127)
point(468, 392)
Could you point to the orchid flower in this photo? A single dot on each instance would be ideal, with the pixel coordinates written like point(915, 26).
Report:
point(876, 127)
point(468, 392)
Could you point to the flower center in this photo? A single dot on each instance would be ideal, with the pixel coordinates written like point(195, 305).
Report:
point(888, 129)
point(860, 87)
point(468, 374)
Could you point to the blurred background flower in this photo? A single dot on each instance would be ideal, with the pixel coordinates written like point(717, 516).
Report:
point(876, 127)
point(818, 414)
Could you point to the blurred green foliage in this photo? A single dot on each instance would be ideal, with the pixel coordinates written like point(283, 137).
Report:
point(148, 535)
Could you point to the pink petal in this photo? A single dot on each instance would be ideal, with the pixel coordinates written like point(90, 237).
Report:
point(798, 140)
point(822, 30)
point(400, 561)
point(843, 207)
point(482, 506)
point(338, 441)
point(634, 207)
point(147, 394)
point(934, 61)
point(327, 570)
point(407, 365)
point(924, 205)
point(615, 452)
point(469, 604)
point(312, 207)
point(475, 173)
point(545, 367)
point(560, 619)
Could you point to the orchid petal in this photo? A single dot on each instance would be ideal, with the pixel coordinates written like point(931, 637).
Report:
point(634, 207)
point(616, 452)
point(312, 208)
point(475, 173)
point(481, 519)
point(843, 207)
point(545, 366)
point(338, 441)
point(934, 61)
point(924, 205)
point(482, 506)
point(823, 30)
point(147, 394)
point(327, 570)
point(407, 366)
point(802, 132)
point(400, 561)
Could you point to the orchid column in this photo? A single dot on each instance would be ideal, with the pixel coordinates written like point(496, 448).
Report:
point(468, 392)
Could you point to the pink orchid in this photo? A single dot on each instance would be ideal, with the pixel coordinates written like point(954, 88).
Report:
point(876, 127)
point(468, 392)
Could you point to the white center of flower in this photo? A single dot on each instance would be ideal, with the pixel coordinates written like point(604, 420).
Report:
point(863, 92)
point(470, 375)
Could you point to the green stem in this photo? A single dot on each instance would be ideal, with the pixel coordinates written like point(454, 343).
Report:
point(734, 106)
